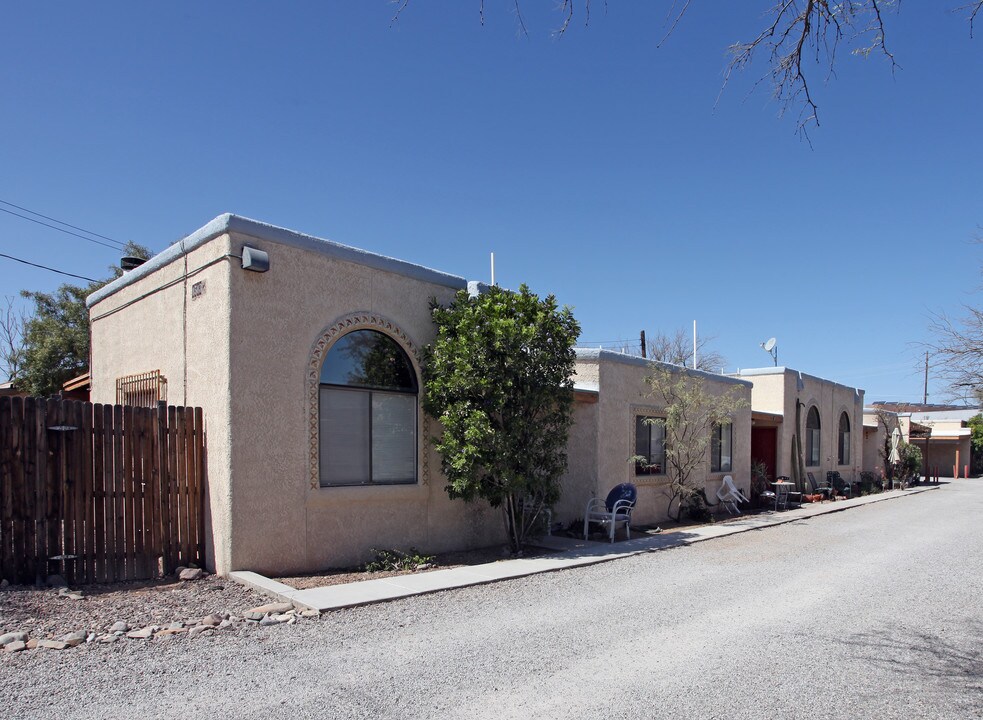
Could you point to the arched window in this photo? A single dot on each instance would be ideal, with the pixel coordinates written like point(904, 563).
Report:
point(367, 412)
point(843, 456)
point(812, 437)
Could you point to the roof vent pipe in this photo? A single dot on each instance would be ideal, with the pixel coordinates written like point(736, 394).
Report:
point(130, 262)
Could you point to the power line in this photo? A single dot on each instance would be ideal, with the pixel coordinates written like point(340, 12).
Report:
point(45, 267)
point(118, 245)
point(62, 222)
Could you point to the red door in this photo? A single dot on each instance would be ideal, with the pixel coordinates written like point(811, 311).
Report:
point(764, 447)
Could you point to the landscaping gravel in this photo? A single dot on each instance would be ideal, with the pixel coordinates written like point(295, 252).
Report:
point(873, 612)
point(53, 612)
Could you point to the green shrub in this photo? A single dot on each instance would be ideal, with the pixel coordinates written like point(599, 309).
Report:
point(869, 482)
point(390, 560)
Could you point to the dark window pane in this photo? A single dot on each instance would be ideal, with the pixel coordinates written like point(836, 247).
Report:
point(368, 359)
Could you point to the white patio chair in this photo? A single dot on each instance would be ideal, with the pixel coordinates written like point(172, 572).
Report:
point(730, 496)
point(612, 511)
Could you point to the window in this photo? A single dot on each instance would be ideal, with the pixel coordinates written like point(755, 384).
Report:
point(650, 444)
point(812, 437)
point(721, 448)
point(367, 412)
point(142, 390)
point(844, 445)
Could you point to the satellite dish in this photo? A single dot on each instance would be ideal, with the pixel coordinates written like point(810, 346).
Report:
point(771, 347)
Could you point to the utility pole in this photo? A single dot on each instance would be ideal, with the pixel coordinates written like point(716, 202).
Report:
point(925, 396)
point(694, 344)
point(643, 344)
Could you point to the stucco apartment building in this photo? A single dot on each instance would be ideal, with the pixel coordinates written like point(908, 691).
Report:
point(614, 400)
point(830, 422)
point(314, 455)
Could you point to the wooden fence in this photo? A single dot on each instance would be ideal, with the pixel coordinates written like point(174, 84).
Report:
point(99, 493)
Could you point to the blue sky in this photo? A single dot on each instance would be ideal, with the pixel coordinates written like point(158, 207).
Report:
point(597, 166)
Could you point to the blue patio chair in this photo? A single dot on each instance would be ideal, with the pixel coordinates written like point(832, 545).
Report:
point(613, 511)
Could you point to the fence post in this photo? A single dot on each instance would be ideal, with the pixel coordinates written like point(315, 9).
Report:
point(6, 492)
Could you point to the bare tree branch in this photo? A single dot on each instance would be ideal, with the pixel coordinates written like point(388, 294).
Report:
point(400, 6)
point(518, 15)
point(11, 339)
point(675, 17)
point(958, 353)
point(677, 349)
point(974, 9)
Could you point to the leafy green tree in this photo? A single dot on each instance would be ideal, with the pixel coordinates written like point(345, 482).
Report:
point(56, 334)
point(499, 379)
point(976, 440)
point(693, 410)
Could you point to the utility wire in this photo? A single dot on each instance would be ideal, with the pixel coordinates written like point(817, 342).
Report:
point(62, 222)
point(45, 267)
point(118, 246)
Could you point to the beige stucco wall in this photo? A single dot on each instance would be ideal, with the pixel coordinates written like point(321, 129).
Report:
point(625, 394)
point(778, 391)
point(874, 438)
point(282, 520)
point(243, 351)
point(579, 483)
point(154, 324)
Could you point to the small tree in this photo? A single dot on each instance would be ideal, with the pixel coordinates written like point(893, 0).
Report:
point(499, 379)
point(975, 424)
point(56, 334)
point(692, 412)
point(11, 339)
point(910, 464)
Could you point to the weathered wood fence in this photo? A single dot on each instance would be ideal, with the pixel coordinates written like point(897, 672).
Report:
point(99, 493)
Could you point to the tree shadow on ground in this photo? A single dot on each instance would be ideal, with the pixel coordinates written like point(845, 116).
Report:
point(956, 661)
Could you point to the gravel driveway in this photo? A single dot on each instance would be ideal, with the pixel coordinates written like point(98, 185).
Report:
point(873, 612)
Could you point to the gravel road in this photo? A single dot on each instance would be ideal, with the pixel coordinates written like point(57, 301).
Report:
point(873, 612)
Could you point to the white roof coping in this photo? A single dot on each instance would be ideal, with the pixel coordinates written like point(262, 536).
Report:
point(581, 386)
point(282, 236)
point(939, 415)
point(595, 354)
point(780, 370)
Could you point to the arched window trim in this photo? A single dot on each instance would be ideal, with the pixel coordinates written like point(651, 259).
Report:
point(345, 324)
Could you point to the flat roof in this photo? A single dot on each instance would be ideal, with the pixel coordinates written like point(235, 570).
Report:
point(595, 354)
point(271, 233)
point(781, 370)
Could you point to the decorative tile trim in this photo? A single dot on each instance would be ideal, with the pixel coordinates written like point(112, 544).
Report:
point(328, 336)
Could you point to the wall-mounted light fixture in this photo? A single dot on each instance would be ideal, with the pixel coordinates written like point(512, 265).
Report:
point(255, 260)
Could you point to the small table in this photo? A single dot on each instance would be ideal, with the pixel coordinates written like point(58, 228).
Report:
point(781, 493)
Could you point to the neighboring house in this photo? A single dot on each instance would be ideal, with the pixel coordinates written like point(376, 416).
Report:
point(943, 436)
point(830, 416)
point(8, 389)
point(947, 447)
point(612, 401)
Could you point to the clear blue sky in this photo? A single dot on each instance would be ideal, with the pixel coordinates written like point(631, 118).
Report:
point(596, 166)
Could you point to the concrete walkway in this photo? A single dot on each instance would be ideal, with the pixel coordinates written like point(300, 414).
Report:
point(568, 553)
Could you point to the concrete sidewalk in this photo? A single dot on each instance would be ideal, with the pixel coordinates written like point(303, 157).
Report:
point(568, 553)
